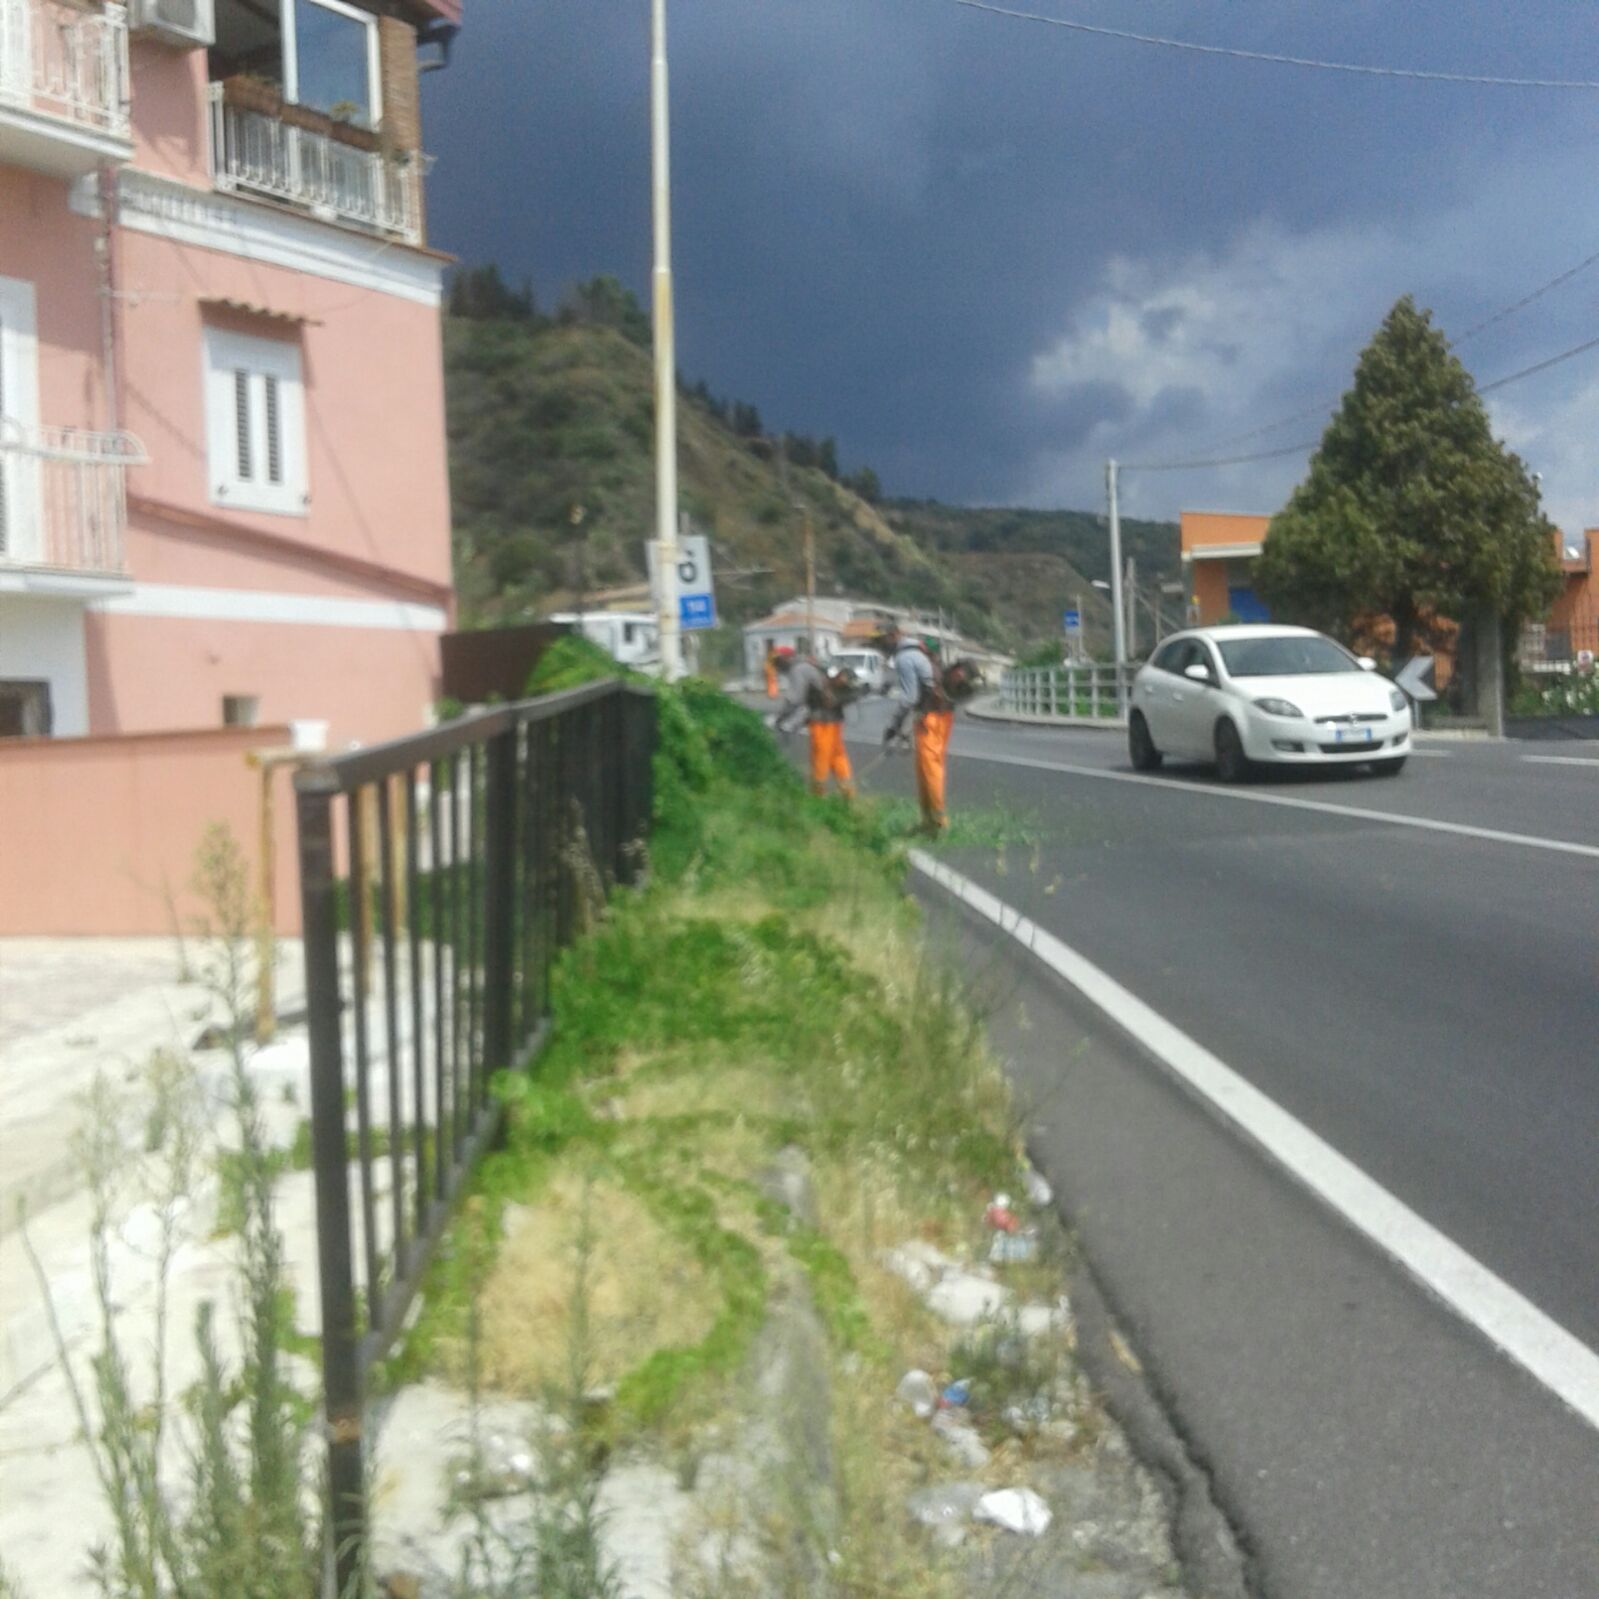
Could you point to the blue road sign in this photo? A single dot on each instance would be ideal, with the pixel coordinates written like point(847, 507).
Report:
point(696, 611)
point(1073, 620)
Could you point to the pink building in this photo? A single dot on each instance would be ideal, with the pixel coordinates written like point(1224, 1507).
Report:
point(223, 489)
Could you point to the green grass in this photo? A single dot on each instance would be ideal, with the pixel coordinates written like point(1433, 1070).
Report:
point(766, 989)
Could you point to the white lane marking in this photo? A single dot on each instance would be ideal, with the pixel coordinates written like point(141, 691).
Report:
point(1432, 755)
point(1563, 760)
point(1565, 1366)
point(1358, 813)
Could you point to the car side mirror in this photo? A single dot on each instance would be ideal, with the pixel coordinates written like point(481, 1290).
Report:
point(1199, 672)
point(1365, 663)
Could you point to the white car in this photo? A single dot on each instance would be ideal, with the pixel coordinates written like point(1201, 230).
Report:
point(1263, 695)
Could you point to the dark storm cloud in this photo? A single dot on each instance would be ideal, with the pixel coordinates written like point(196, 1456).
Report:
point(985, 253)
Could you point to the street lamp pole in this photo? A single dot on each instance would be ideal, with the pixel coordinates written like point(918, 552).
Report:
point(1118, 613)
point(665, 357)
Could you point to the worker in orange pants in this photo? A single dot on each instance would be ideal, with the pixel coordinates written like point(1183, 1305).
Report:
point(771, 672)
point(829, 758)
point(807, 692)
point(932, 746)
point(923, 700)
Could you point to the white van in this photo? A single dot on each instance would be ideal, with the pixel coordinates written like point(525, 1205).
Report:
point(868, 665)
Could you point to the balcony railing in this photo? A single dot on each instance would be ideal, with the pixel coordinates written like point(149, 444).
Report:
point(63, 498)
point(260, 153)
point(66, 62)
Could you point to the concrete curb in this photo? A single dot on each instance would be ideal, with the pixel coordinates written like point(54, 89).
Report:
point(1215, 1565)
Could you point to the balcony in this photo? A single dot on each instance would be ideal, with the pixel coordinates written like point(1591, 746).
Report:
point(63, 86)
point(301, 158)
point(63, 508)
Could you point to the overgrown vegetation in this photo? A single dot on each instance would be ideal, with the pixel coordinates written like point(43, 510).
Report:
point(244, 1519)
point(1568, 694)
point(767, 991)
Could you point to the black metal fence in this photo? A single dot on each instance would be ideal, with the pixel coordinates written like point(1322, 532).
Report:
point(440, 874)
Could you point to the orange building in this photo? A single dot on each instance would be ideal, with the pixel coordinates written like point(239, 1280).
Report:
point(1574, 617)
point(1218, 553)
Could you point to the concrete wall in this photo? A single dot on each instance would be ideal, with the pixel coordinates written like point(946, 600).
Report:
point(101, 832)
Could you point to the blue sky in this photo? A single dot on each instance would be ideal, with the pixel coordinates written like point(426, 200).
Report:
point(986, 254)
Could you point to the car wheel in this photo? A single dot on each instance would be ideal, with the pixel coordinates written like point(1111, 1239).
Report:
point(1140, 746)
point(1232, 765)
point(1388, 768)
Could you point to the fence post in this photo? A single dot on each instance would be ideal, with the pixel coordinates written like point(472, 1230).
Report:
point(341, 1365)
point(499, 888)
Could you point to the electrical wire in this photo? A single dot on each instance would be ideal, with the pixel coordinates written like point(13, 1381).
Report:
point(1540, 366)
point(1524, 301)
point(1324, 406)
point(1412, 73)
point(1228, 460)
point(1310, 444)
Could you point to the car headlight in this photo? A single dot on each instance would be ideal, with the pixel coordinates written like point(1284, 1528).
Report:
point(1278, 708)
point(1396, 698)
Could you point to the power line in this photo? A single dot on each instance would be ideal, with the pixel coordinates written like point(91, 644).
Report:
point(1540, 366)
point(1310, 444)
point(1525, 301)
point(1412, 73)
point(1230, 460)
point(1323, 407)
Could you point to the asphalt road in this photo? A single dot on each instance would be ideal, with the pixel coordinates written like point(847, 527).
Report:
point(1426, 999)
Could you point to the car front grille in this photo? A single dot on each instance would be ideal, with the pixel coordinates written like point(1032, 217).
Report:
point(1351, 720)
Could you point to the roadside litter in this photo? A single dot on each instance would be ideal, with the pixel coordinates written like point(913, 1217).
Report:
point(918, 1390)
point(1014, 1509)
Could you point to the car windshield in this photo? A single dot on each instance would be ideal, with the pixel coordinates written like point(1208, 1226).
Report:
point(1285, 656)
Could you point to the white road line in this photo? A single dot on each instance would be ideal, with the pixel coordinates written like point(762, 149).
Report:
point(1565, 1366)
point(1563, 760)
point(1357, 813)
point(1432, 755)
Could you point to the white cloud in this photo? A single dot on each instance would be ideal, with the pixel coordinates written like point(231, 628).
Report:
point(1556, 438)
point(1271, 325)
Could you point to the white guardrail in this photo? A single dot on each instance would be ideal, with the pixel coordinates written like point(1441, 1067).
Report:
point(1090, 691)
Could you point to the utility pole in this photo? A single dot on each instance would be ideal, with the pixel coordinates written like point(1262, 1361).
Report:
point(1118, 614)
point(810, 581)
point(1132, 607)
point(665, 357)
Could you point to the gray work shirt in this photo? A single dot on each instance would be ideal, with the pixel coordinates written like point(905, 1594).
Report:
point(913, 672)
point(803, 678)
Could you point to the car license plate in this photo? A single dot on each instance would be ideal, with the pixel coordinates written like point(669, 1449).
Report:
point(1352, 735)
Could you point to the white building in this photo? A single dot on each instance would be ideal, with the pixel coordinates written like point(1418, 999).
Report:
point(630, 637)
point(845, 624)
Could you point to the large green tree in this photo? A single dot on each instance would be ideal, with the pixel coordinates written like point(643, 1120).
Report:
point(1412, 509)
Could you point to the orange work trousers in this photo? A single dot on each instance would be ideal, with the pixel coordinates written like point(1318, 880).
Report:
point(932, 743)
point(829, 758)
point(771, 681)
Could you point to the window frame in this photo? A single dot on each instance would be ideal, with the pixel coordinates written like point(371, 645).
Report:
point(288, 29)
point(1169, 657)
point(227, 353)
